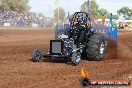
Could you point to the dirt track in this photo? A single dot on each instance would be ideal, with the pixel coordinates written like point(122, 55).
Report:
point(18, 71)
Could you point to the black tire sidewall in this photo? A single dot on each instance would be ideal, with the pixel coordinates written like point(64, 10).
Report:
point(34, 53)
point(99, 56)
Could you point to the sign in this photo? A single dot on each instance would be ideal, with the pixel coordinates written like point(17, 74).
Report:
point(7, 24)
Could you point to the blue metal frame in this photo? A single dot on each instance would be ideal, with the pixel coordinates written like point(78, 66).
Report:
point(110, 32)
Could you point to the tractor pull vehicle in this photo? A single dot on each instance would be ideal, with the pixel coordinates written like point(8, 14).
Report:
point(74, 41)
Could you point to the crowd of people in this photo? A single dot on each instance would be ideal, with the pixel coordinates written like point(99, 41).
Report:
point(27, 19)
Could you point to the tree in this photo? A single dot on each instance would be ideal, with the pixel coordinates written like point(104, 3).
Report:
point(103, 13)
point(126, 12)
point(94, 12)
point(84, 7)
point(59, 12)
point(15, 5)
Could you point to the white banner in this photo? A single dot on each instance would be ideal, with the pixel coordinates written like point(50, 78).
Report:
point(7, 24)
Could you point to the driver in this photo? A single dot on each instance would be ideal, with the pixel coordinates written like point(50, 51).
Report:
point(79, 27)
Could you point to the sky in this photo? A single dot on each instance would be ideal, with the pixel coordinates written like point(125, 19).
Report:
point(47, 7)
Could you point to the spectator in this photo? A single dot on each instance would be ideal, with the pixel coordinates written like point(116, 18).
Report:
point(22, 19)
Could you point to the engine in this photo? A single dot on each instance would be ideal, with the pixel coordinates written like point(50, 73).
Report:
point(69, 45)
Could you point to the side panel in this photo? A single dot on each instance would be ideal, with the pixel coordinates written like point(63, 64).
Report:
point(113, 33)
point(108, 32)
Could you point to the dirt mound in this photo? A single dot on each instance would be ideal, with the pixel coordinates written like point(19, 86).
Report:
point(17, 71)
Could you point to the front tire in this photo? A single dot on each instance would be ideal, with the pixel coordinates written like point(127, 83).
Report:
point(96, 47)
point(76, 58)
point(36, 55)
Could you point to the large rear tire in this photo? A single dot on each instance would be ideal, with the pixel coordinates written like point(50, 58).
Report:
point(96, 47)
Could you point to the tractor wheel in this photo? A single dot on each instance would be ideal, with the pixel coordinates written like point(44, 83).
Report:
point(36, 55)
point(76, 58)
point(96, 47)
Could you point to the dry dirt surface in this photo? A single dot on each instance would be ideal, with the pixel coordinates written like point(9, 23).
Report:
point(18, 71)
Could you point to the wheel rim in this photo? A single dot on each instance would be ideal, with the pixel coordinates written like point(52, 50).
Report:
point(37, 55)
point(102, 48)
point(78, 59)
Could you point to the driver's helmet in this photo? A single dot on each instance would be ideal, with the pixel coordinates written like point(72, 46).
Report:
point(80, 17)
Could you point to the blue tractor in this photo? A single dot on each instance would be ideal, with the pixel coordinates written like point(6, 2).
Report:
point(77, 39)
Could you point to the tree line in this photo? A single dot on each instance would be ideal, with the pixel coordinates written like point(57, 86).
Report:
point(94, 10)
point(15, 5)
